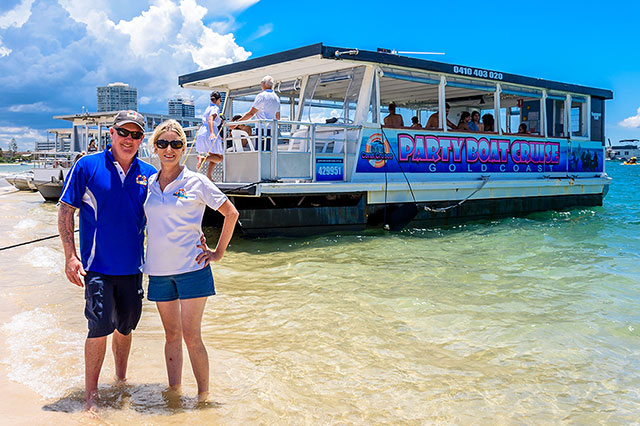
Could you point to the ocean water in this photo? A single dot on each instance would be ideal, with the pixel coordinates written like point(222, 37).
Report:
point(530, 320)
point(10, 168)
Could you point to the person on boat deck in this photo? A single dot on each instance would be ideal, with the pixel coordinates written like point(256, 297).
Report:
point(177, 261)
point(266, 106)
point(393, 119)
point(415, 123)
point(465, 118)
point(487, 123)
point(112, 224)
point(208, 141)
point(522, 129)
point(475, 125)
point(434, 120)
point(243, 127)
point(92, 146)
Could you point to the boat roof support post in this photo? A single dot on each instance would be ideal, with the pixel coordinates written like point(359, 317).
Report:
point(292, 108)
point(567, 116)
point(301, 98)
point(442, 113)
point(227, 108)
point(496, 109)
point(543, 115)
point(587, 117)
point(364, 97)
point(85, 142)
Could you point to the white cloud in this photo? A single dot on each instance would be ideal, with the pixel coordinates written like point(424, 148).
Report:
point(160, 43)
point(17, 16)
point(631, 122)
point(34, 107)
point(226, 7)
point(56, 53)
point(262, 31)
point(25, 137)
point(3, 50)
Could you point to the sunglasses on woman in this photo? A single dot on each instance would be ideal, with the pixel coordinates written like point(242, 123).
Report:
point(162, 144)
point(124, 133)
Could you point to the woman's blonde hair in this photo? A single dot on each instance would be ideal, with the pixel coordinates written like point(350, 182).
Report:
point(168, 126)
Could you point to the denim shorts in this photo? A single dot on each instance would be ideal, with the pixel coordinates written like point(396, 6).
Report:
point(112, 302)
point(165, 288)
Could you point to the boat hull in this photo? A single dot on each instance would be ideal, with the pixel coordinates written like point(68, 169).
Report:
point(351, 212)
point(22, 183)
point(50, 191)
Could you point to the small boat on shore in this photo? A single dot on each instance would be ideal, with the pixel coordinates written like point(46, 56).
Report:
point(332, 164)
point(22, 181)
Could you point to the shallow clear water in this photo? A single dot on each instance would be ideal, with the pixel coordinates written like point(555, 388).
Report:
point(523, 320)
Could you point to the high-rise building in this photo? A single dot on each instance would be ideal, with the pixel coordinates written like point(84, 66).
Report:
point(181, 107)
point(116, 97)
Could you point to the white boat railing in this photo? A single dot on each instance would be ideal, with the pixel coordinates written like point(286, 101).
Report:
point(54, 159)
point(280, 150)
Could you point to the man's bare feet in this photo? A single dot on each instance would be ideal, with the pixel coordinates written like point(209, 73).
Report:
point(90, 401)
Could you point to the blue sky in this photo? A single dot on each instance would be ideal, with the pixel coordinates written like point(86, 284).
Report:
point(53, 54)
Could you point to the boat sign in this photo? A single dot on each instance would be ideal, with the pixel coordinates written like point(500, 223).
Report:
point(403, 151)
point(329, 169)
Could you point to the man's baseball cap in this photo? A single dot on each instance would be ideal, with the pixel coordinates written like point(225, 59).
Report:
point(124, 117)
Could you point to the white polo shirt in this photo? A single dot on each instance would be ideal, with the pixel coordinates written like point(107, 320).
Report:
point(267, 103)
point(174, 219)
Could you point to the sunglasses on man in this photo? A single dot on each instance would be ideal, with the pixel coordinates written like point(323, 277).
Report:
point(162, 144)
point(124, 133)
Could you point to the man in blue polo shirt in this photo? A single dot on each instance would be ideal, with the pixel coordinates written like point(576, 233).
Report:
point(109, 188)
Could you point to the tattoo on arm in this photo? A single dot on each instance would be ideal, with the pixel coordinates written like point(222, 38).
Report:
point(65, 228)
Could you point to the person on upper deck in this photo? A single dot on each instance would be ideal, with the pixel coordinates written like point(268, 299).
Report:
point(522, 129)
point(475, 125)
point(266, 106)
point(415, 123)
point(487, 123)
point(465, 118)
point(434, 120)
point(393, 119)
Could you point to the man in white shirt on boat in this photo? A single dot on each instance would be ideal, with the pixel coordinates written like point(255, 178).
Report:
point(266, 106)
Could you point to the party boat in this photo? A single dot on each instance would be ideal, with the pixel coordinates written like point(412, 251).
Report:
point(331, 164)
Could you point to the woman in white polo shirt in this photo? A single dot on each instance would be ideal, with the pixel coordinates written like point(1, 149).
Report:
point(177, 262)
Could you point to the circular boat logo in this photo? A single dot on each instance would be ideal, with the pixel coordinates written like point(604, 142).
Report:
point(377, 151)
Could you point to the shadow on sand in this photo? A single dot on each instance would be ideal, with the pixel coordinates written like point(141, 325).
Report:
point(152, 398)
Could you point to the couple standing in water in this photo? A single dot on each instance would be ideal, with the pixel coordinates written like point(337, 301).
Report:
point(117, 194)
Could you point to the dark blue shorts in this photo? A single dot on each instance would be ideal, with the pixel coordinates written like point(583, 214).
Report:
point(113, 302)
point(165, 288)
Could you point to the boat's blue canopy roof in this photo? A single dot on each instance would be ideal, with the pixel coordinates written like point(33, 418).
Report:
point(322, 52)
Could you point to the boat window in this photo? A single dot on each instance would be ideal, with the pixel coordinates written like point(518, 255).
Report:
point(578, 116)
point(556, 114)
point(242, 99)
point(520, 105)
point(413, 92)
point(332, 95)
point(468, 95)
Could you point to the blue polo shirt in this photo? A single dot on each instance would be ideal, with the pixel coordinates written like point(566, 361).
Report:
point(112, 216)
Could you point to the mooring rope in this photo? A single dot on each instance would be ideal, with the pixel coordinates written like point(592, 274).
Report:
point(31, 242)
point(485, 179)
